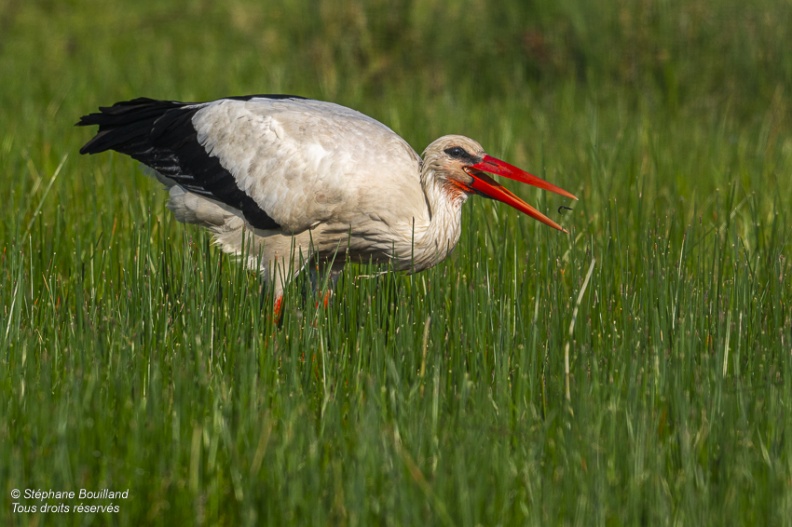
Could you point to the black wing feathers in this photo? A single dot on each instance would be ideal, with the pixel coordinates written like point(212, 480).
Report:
point(160, 134)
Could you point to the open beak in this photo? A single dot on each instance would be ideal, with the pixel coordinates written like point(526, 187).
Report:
point(486, 186)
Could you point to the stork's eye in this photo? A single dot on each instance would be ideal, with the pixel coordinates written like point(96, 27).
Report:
point(458, 152)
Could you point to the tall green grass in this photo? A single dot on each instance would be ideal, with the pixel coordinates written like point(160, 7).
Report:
point(636, 371)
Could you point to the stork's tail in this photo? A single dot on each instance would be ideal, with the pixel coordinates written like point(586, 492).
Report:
point(161, 135)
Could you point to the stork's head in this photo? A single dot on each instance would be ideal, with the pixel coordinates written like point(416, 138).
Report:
point(460, 164)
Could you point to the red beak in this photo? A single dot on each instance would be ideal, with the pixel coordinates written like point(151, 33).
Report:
point(486, 186)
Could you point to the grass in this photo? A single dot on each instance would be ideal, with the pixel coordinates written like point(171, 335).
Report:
point(634, 372)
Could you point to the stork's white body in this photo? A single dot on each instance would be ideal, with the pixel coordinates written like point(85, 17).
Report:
point(360, 197)
point(284, 180)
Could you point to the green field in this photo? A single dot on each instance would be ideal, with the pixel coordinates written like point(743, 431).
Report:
point(637, 371)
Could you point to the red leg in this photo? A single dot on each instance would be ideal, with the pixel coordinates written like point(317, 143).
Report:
point(278, 310)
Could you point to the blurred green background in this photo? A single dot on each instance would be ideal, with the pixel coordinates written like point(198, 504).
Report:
point(699, 57)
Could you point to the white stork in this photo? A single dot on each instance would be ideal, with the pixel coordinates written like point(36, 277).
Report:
point(297, 179)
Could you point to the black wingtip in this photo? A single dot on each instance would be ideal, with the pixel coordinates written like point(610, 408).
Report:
point(124, 124)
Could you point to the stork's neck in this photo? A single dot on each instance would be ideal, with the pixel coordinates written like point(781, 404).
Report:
point(435, 240)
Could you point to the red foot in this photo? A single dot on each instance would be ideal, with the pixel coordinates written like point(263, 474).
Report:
point(325, 299)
